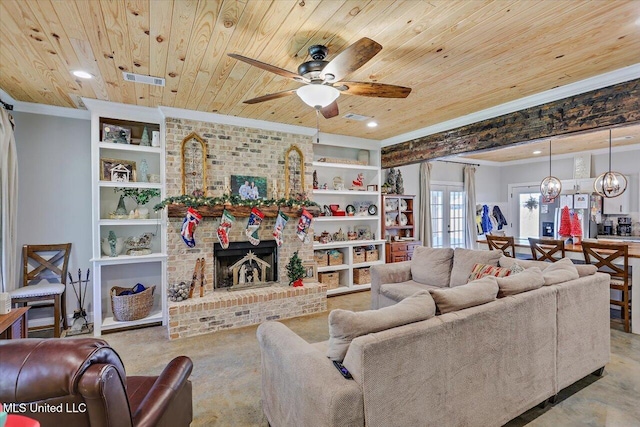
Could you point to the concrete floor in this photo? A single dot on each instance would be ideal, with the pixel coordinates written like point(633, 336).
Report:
point(226, 374)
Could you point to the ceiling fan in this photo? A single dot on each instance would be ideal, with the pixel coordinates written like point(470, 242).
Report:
point(323, 79)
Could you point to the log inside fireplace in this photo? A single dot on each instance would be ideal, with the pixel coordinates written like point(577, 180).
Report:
point(243, 265)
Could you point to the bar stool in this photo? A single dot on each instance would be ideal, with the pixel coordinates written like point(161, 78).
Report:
point(544, 249)
point(604, 256)
point(506, 244)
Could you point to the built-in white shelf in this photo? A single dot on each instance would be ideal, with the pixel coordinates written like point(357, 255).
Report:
point(129, 147)
point(333, 267)
point(109, 323)
point(345, 166)
point(130, 259)
point(112, 222)
point(345, 193)
point(346, 218)
point(346, 243)
point(112, 184)
point(368, 264)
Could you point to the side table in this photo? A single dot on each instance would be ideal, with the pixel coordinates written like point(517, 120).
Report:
point(14, 324)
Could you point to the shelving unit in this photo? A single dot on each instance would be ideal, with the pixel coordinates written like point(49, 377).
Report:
point(399, 228)
point(362, 220)
point(126, 270)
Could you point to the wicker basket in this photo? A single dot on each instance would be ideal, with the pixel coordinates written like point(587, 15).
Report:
point(358, 255)
point(361, 276)
point(131, 307)
point(321, 258)
point(330, 278)
point(335, 258)
point(372, 255)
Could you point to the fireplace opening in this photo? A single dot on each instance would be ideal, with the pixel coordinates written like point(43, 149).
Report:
point(243, 265)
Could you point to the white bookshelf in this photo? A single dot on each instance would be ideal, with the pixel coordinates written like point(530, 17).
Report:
point(126, 270)
point(326, 172)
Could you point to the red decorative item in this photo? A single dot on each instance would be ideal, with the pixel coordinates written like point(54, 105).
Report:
point(297, 283)
point(576, 229)
point(565, 223)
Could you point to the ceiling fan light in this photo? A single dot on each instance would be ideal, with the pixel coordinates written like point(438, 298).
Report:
point(318, 95)
point(610, 184)
point(550, 187)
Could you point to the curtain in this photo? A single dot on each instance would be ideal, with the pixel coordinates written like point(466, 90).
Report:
point(469, 181)
point(425, 203)
point(9, 204)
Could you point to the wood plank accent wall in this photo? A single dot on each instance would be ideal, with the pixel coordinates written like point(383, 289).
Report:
point(609, 106)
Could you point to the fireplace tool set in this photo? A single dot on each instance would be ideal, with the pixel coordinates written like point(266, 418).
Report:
point(79, 327)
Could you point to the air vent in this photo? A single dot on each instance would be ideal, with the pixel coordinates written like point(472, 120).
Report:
point(139, 78)
point(357, 117)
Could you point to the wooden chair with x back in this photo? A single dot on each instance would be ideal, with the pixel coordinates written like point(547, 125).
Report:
point(613, 259)
point(44, 278)
point(546, 249)
point(506, 244)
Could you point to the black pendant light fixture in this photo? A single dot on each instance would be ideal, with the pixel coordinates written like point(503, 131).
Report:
point(550, 187)
point(610, 184)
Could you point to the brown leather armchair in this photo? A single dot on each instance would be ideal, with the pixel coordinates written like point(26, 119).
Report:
point(82, 382)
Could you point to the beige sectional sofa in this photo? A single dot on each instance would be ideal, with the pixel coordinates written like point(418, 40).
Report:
point(478, 366)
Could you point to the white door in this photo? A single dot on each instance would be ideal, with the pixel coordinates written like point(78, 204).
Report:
point(448, 216)
point(525, 208)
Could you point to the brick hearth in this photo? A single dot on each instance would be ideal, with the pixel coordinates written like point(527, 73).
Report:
point(227, 310)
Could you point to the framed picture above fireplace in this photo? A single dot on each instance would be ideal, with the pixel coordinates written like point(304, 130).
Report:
point(249, 187)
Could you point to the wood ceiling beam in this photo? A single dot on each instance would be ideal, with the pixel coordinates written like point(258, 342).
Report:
point(609, 106)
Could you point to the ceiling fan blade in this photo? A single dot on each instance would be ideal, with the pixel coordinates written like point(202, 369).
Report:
point(267, 67)
point(350, 59)
point(270, 96)
point(376, 90)
point(330, 110)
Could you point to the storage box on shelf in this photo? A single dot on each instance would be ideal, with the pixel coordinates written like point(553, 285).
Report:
point(321, 258)
point(347, 182)
point(361, 276)
point(127, 159)
point(399, 227)
point(330, 278)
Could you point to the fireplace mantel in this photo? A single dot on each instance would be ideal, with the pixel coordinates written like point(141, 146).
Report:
point(180, 210)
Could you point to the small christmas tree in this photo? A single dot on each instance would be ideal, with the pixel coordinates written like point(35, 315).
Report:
point(565, 223)
point(295, 270)
point(576, 228)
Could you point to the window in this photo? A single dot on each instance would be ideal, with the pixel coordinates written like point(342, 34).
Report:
point(525, 203)
point(448, 216)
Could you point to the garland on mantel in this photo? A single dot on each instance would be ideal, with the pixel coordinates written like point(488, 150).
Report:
point(233, 200)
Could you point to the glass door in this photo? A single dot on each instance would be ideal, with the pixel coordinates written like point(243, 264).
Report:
point(525, 203)
point(448, 215)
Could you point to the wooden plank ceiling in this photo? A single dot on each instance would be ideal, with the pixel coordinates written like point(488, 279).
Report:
point(458, 56)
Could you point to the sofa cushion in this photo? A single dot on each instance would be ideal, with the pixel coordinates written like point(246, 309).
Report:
point(474, 293)
point(402, 290)
point(583, 269)
point(431, 266)
point(345, 325)
point(465, 259)
point(528, 280)
point(481, 270)
point(560, 271)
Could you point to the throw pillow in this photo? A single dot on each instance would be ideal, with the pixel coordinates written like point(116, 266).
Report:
point(528, 280)
point(516, 268)
point(345, 325)
point(509, 262)
point(481, 270)
point(474, 293)
point(560, 271)
point(431, 266)
point(465, 259)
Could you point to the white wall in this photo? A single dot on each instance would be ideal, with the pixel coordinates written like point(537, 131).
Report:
point(54, 187)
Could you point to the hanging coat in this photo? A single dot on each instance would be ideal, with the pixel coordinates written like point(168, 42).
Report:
point(486, 222)
point(497, 213)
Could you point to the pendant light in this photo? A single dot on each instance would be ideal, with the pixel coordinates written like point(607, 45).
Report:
point(610, 184)
point(551, 186)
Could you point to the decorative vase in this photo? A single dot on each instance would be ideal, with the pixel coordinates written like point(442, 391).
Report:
point(106, 247)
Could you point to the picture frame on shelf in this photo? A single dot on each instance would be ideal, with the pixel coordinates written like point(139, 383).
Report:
point(363, 232)
point(116, 134)
point(117, 170)
point(311, 271)
point(372, 187)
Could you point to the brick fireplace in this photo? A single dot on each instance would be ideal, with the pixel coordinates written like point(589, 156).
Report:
point(255, 152)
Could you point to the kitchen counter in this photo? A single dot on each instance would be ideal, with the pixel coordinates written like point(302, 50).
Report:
point(575, 252)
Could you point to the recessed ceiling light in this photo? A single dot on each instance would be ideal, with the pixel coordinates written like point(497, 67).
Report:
point(372, 124)
point(537, 152)
point(82, 74)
